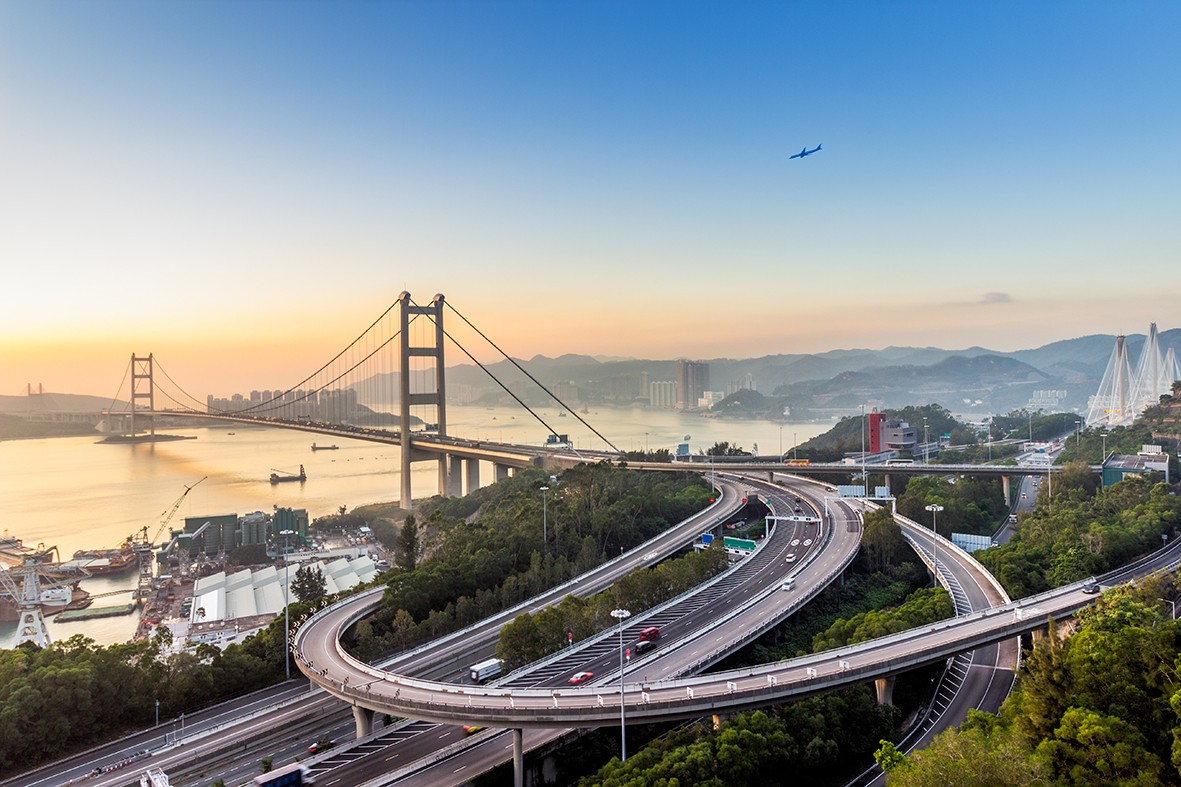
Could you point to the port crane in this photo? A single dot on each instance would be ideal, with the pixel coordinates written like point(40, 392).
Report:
point(165, 518)
point(24, 585)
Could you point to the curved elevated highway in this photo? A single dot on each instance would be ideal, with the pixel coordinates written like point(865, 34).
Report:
point(683, 697)
point(698, 628)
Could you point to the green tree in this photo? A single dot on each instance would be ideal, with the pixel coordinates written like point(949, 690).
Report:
point(309, 584)
point(882, 540)
point(971, 758)
point(408, 544)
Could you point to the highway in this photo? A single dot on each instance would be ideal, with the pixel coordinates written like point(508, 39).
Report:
point(698, 628)
point(681, 697)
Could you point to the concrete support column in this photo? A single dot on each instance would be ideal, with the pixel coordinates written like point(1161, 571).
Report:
point(455, 477)
point(1005, 489)
point(885, 480)
point(1037, 634)
point(472, 466)
point(502, 472)
point(364, 719)
point(518, 758)
point(885, 690)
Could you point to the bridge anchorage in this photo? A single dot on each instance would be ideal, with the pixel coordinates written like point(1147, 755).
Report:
point(397, 359)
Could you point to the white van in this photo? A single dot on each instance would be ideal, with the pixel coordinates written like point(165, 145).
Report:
point(788, 584)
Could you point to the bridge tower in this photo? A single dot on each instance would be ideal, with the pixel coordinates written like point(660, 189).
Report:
point(406, 399)
point(141, 371)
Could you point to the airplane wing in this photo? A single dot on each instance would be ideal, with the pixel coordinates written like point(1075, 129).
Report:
point(801, 154)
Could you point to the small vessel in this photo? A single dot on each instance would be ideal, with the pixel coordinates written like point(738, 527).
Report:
point(278, 477)
point(323, 447)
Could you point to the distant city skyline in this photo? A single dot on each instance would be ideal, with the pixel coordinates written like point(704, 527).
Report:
point(239, 188)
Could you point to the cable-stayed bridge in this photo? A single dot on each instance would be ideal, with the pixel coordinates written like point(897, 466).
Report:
point(1125, 392)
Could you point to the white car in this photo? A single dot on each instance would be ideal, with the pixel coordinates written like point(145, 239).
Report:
point(791, 558)
point(788, 584)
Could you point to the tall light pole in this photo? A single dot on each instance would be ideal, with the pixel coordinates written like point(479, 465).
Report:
point(286, 602)
point(793, 445)
point(1173, 605)
point(1103, 459)
point(781, 442)
point(544, 521)
point(935, 509)
point(1078, 434)
point(926, 442)
point(621, 615)
point(157, 713)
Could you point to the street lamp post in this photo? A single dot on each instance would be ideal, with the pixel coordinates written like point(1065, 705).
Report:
point(157, 713)
point(286, 602)
point(1078, 433)
point(793, 445)
point(1172, 605)
point(621, 615)
point(544, 521)
point(1103, 459)
point(926, 443)
point(935, 509)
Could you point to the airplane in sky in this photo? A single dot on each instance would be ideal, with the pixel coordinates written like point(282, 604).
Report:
point(805, 152)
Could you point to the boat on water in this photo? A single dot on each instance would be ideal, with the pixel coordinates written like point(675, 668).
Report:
point(278, 477)
point(324, 447)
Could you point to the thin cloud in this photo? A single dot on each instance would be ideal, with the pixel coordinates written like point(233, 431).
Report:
point(996, 297)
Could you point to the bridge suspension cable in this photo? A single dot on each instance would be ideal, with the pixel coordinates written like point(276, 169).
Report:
point(526, 373)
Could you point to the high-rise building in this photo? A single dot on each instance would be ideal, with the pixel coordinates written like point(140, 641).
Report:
point(692, 382)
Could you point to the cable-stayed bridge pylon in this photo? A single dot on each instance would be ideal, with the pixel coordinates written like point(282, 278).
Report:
point(1123, 393)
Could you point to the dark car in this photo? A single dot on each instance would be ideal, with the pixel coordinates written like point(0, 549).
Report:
point(1091, 586)
point(643, 646)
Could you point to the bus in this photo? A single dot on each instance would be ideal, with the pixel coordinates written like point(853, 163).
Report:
point(292, 775)
point(899, 462)
point(799, 462)
point(485, 670)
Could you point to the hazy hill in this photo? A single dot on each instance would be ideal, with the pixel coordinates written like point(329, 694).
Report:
point(57, 403)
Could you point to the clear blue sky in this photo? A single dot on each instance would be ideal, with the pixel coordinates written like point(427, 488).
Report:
point(255, 181)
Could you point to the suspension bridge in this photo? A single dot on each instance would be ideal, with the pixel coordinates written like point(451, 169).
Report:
point(397, 360)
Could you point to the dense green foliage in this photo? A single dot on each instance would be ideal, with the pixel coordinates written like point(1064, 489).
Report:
point(75, 693)
point(484, 552)
point(921, 608)
point(530, 637)
point(1077, 531)
point(808, 740)
point(971, 504)
point(1102, 707)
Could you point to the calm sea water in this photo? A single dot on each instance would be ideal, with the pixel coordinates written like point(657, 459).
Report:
point(76, 493)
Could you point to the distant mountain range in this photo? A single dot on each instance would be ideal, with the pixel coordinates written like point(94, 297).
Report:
point(972, 380)
point(975, 379)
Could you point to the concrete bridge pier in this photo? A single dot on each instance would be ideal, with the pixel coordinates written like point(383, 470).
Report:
point(364, 720)
point(455, 476)
point(1005, 489)
point(472, 471)
point(885, 690)
point(518, 757)
point(502, 472)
